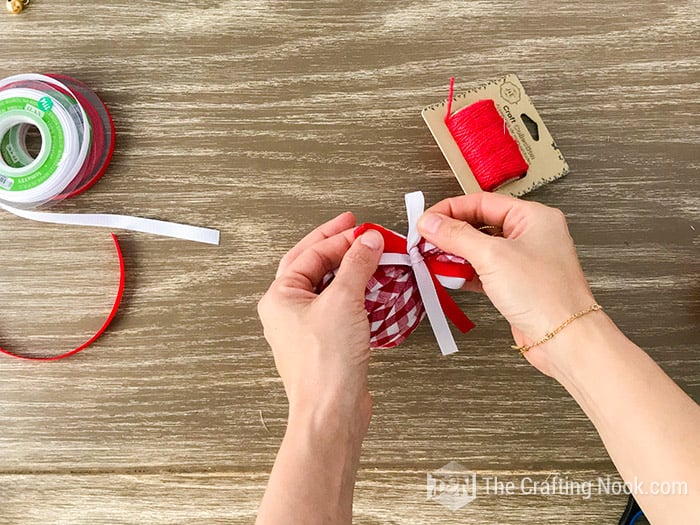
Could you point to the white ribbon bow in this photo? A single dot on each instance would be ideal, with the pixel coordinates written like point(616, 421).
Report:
point(415, 205)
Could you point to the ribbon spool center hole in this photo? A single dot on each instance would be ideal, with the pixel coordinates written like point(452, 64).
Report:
point(32, 141)
point(21, 145)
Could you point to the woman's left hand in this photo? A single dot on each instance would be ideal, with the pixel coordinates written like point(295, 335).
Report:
point(320, 341)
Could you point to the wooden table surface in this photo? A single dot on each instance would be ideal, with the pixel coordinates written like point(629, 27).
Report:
point(264, 118)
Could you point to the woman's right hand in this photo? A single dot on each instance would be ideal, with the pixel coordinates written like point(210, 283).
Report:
point(532, 274)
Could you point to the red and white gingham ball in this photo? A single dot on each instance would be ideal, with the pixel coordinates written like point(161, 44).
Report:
point(393, 302)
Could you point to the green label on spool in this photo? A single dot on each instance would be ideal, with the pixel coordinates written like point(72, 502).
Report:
point(45, 103)
point(47, 121)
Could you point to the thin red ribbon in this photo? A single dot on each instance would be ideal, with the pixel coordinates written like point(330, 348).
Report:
point(110, 318)
point(395, 243)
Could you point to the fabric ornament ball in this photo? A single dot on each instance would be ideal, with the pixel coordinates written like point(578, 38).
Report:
point(393, 301)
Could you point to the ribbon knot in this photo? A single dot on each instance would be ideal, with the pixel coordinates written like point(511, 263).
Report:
point(415, 256)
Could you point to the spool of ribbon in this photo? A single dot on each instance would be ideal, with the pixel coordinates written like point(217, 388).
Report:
point(410, 284)
point(77, 141)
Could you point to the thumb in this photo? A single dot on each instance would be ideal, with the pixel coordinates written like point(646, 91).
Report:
point(453, 236)
point(359, 263)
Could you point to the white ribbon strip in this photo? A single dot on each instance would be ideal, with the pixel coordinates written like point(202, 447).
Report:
point(124, 222)
point(415, 205)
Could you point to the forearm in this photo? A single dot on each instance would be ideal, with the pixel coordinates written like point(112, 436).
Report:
point(648, 424)
point(313, 478)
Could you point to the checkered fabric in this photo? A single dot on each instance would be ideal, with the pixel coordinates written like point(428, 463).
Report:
point(393, 302)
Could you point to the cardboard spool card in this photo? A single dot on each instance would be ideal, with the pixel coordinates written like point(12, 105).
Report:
point(546, 163)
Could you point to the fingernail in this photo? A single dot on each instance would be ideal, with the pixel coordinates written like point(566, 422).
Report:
point(372, 239)
point(429, 223)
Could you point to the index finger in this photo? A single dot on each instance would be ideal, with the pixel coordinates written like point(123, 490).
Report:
point(328, 229)
point(485, 208)
point(309, 268)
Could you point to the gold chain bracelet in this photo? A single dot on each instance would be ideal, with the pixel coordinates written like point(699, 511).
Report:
point(593, 308)
point(496, 231)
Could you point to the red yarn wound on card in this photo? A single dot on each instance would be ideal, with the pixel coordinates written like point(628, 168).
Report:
point(483, 138)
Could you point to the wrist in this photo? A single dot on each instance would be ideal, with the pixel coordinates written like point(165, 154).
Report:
point(333, 417)
point(322, 445)
point(576, 347)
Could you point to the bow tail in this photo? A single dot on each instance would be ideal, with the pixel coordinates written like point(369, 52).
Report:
point(433, 308)
point(453, 312)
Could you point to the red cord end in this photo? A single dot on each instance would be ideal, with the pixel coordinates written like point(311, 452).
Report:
point(450, 96)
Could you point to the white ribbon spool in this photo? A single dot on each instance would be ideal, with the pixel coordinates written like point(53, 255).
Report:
point(65, 144)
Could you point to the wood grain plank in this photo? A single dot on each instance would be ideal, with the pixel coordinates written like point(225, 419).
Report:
point(230, 498)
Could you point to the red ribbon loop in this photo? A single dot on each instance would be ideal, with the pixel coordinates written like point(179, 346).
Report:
point(100, 331)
